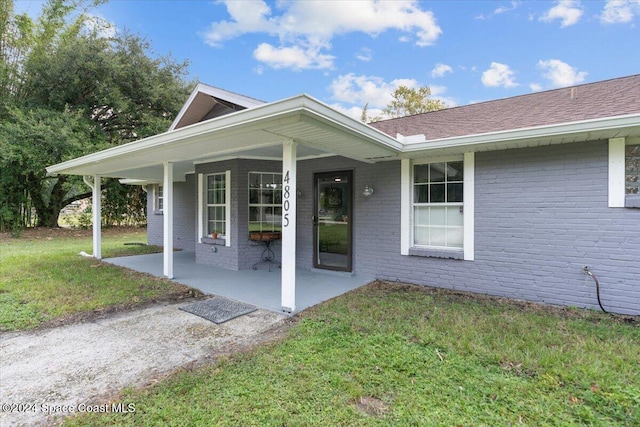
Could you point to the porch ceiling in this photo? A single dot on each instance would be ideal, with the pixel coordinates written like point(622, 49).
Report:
point(254, 133)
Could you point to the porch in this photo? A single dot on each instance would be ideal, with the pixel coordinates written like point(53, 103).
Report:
point(257, 287)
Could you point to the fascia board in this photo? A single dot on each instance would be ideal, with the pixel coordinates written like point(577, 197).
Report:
point(562, 129)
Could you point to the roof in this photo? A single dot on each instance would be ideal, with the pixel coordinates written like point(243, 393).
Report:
point(609, 98)
point(255, 130)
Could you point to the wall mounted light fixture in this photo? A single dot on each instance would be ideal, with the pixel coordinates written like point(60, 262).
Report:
point(367, 191)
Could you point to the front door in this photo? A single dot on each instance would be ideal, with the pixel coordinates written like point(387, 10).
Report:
point(333, 216)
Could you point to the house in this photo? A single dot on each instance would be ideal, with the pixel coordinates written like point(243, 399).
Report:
point(512, 197)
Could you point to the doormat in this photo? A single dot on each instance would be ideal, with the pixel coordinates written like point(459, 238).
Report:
point(219, 309)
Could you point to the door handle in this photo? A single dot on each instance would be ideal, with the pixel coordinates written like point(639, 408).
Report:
point(315, 220)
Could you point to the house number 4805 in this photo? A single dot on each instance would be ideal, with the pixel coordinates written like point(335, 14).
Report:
point(286, 194)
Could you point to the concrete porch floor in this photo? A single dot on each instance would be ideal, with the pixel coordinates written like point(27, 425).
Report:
point(257, 287)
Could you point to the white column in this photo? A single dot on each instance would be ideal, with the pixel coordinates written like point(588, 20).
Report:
point(289, 179)
point(167, 211)
point(96, 211)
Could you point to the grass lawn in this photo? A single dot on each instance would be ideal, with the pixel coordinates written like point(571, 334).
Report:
point(400, 355)
point(43, 279)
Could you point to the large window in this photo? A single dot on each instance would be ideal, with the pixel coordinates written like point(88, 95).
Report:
point(632, 169)
point(438, 219)
point(216, 204)
point(265, 201)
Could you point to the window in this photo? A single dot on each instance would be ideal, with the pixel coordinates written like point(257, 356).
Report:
point(438, 219)
point(632, 169)
point(216, 204)
point(265, 202)
point(159, 198)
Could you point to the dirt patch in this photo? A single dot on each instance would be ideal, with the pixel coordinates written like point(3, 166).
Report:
point(372, 406)
point(89, 363)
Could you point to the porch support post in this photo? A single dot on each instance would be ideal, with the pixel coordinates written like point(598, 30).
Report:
point(167, 212)
point(96, 212)
point(289, 189)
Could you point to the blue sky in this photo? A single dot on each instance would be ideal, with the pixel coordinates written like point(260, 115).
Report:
point(349, 53)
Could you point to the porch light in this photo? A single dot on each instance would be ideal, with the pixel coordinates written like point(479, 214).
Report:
point(367, 191)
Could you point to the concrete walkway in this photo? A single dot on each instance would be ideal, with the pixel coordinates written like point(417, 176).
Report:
point(257, 287)
point(70, 368)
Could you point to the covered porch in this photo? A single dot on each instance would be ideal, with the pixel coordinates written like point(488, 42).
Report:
point(288, 131)
point(256, 287)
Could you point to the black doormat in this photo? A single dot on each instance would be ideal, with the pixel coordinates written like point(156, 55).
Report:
point(219, 309)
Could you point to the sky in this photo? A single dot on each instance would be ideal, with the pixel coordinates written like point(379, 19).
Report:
point(351, 53)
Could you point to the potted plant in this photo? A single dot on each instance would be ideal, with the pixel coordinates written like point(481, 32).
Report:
point(214, 235)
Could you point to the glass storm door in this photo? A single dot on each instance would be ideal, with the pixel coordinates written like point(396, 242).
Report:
point(333, 216)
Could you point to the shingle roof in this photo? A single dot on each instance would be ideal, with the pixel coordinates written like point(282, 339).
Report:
point(607, 98)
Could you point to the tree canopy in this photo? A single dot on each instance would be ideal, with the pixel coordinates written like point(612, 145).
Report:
point(406, 101)
point(66, 90)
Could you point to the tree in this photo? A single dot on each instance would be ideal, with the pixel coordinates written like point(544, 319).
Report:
point(66, 91)
point(406, 102)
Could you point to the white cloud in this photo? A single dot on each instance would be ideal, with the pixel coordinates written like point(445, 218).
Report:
point(295, 57)
point(620, 11)
point(535, 87)
point(568, 12)
point(360, 90)
point(365, 54)
point(498, 75)
point(440, 70)
point(559, 73)
point(305, 28)
point(503, 9)
point(100, 26)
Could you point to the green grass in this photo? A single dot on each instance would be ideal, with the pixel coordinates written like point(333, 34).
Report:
point(42, 277)
point(398, 355)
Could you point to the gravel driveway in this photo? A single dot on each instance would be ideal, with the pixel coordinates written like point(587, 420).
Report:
point(70, 368)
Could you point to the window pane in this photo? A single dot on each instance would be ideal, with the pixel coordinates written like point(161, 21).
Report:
point(220, 213)
point(455, 237)
point(421, 235)
point(421, 173)
point(421, 194)
point(211, 213)
point(254, 196)
point(455, 171)
point(437, 236)
point(254, 215)
point(421, 215)
point(438, 215)
point(254, 180)
point(454, 216)
point(437, 171)
point(454, 192)
point(436, 193)
point(632, 168)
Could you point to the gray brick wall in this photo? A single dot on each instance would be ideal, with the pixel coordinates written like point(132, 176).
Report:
point(184, 210)
point(541, 215)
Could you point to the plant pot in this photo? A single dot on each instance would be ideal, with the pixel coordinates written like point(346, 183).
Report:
point(214, 235)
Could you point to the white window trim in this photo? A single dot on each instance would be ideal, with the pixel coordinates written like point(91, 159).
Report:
point(406, 202)
point(617, 175)
point(202, 218)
